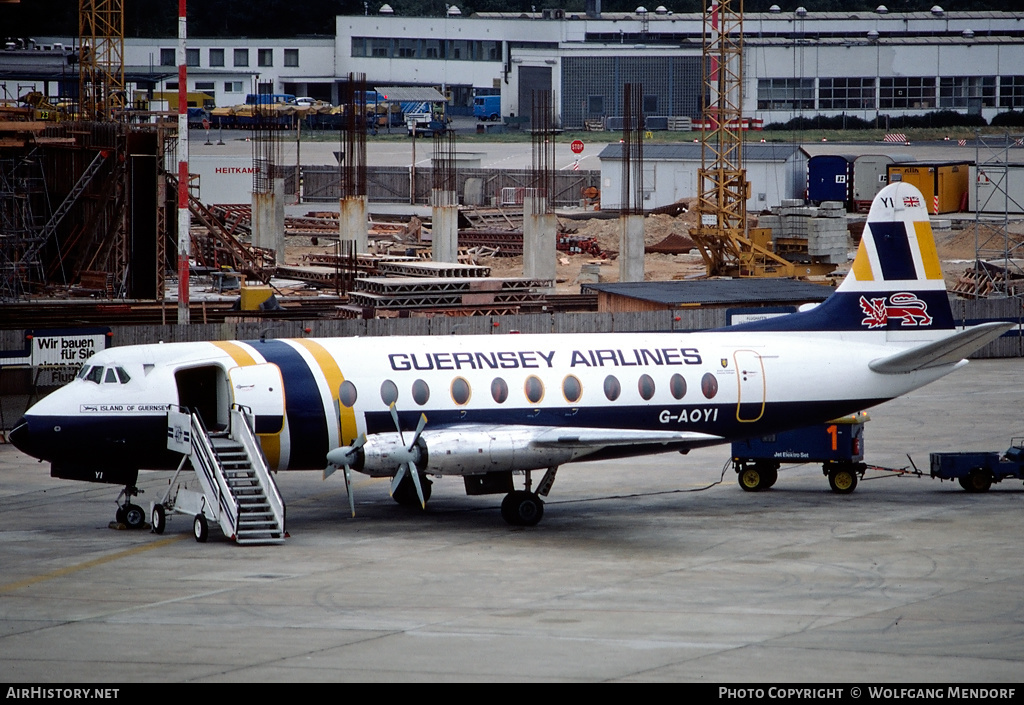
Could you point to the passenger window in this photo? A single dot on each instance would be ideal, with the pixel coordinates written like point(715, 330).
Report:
point(677, 385)
point(612, 388)
point(534, 389)
point(499, 390)
point(646, 387)
point(572, 388)
point(347, 394)
point(389, 392)
point(420, 392)
point(709, 385)
point(460, 391)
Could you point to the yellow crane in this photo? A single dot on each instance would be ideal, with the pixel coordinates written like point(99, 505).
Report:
point(726, 244)
point(101, 59)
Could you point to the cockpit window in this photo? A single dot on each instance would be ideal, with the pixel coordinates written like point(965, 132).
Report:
point(111, 377)
point(123, 375)
point(95, 374)
point(83, 371)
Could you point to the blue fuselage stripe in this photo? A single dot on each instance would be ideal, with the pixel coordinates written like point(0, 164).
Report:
point(142, 442)
point(307, 423)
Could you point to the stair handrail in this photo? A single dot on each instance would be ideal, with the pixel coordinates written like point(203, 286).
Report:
point(225, 506)
point(242, 431)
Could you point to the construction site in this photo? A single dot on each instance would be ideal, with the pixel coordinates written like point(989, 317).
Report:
point(101, 222)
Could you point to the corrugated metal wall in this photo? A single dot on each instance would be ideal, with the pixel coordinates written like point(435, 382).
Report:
point(392, 184)
point(13, 402)
point(965, 312)
point(592, 86)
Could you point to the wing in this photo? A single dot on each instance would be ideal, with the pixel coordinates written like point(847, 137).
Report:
point(475, 448)
point(601, 438)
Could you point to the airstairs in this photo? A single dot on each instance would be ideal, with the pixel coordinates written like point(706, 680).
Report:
point(235, 487)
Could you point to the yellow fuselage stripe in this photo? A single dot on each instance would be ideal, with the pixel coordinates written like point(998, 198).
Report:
point(239, 354)
point(332, 373)
point(270, 442)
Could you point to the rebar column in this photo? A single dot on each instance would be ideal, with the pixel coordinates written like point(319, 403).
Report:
point(540, 227)
point(267, 177)
point(444, 229)
point(631, 219)
point(353, 221)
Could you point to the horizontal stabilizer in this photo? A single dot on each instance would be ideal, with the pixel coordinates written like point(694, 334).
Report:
point(941, 352)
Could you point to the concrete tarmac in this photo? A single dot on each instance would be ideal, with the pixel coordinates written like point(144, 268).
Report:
point(641, 570)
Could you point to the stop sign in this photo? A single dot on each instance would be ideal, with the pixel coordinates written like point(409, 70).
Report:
point(576, 146)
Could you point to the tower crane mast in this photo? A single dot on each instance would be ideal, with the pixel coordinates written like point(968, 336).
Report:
point(101, 59)
point(722, 234)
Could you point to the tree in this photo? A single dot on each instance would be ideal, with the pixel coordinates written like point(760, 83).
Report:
point(285, 18)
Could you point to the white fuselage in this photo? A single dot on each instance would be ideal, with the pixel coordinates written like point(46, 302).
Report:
point(309, 396)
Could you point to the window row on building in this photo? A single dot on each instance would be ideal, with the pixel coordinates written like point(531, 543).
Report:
point(411, 48)
point(211, 86)
point(897, 92)
point(241, 57)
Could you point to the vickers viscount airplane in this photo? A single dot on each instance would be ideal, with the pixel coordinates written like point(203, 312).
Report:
point(488, 407)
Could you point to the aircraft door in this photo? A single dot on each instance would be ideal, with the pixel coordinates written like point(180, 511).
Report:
point(751, 384)
point(260, 389)
point(204, 391)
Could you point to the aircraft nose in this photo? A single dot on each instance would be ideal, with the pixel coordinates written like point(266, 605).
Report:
point(20, 437)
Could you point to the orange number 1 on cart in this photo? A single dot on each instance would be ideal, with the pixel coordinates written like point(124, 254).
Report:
point(831, 430)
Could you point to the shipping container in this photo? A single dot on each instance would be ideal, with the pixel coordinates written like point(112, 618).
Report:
point(871, 175)
point(828, 178)
point(944, 185)
point(997, 188)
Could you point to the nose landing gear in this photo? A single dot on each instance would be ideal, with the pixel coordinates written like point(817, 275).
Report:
point(129, 515)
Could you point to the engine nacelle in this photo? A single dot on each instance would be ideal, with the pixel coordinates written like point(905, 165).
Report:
point(376, 456)
point(458, 452)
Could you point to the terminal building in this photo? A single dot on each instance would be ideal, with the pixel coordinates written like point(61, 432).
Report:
point(865, 64)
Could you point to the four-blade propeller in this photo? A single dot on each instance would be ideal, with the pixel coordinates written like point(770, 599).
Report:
point(407, 456)
point(342, 458)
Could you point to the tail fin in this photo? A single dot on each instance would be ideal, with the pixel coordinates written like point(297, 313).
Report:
point(895, 283)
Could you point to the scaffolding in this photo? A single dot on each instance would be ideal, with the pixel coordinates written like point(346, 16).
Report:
point(62, 211)
point(997, 254)
point(22, 197)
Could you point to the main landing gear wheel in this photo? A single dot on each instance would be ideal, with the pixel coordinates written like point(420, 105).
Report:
point(200, 528)
point(159, 519)
point(842, 480)
point(133, 516)
point(521, 508)
point(405, 493)
point(977, 480)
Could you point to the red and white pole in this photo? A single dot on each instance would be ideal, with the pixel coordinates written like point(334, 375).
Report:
point(184, 217)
